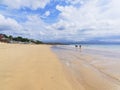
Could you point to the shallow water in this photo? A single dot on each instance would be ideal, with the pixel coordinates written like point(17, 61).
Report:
point(104, 50)
point(95, 67)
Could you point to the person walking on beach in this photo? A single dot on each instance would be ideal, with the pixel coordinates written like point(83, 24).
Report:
point(76, 45)
point(80, 46)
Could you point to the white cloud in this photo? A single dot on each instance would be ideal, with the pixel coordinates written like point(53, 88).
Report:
point(34, 28)
point(11, 27)
point(47, 13)
point(95, 18)
point(33, 4)
point(9, 24)
point(38, 29)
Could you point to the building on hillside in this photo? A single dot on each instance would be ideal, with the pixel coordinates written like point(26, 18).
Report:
point(1, 36)
point(3, 39)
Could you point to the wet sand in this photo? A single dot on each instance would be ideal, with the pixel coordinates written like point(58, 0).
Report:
point(90, 71)
point(31, 67)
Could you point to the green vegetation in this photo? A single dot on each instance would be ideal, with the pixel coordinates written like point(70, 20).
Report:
point(20, 39)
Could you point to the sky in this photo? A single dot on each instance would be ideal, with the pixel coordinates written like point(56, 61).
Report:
point(61, 20)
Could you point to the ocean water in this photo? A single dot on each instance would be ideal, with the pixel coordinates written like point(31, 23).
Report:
point(110, 51)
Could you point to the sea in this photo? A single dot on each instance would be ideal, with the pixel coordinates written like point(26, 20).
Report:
point(110, 51)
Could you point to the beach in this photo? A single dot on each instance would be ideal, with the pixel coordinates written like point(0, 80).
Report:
point(31, 67)
point(46, 67)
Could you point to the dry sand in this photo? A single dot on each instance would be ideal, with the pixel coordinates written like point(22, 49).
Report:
point(31, 67)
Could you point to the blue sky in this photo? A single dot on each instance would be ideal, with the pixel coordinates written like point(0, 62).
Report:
point(61, 20)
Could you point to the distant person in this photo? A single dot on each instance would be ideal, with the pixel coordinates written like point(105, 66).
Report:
point(80, 46)
point(76, 45)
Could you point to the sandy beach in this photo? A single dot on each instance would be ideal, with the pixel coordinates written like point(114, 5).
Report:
point(31, 67)
point(36, 67)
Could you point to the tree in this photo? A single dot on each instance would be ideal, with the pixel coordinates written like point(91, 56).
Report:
point(10, 37)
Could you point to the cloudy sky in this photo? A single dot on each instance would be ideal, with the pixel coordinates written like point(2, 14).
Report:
point(61, 20)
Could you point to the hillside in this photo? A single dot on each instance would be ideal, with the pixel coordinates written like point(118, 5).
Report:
point(10, 39)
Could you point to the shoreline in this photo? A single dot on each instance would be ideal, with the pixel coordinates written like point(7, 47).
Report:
point(91, 71)
point(31, 67)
